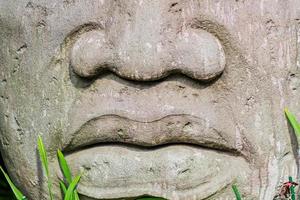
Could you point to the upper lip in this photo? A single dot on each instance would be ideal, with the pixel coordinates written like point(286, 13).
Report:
point(175, 128)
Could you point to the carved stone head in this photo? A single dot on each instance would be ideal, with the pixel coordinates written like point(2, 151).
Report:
point(178, 99)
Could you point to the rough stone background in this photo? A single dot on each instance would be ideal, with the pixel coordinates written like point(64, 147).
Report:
point(39, 94)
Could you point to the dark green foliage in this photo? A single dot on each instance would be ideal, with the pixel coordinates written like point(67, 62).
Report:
point(16, 191)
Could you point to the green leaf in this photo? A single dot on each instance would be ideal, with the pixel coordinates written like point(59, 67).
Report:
point(76, 196)
point(292, 189)
point(294, 123)
point(63, 188)
point(66, 171)
point(43, 155)
point(71, 188)
point(44, 160)
point(15, 190)
point(64, 167)
point(236, 192)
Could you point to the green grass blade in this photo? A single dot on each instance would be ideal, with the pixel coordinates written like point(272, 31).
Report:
point(236, 192)
point(15, 190)
point(66, 171)
point(294, 123)
point(292, 189)
point(44, 160)
point(43, 155)
point(76, 196)
point(71, 188)
point(64, 167)
point(63, 188)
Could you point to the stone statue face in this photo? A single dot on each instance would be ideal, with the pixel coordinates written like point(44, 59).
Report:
point(178, 99)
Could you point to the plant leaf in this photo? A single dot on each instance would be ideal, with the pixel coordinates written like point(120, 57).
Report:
point(44, 160)
point(63, 187)
point(71, 188)
point(15, 190)
point(64, 167)
point(236, 192)
point(294, 123)
point(76, 197)
point(292, 189)
point(43, 155)
point(66, 171)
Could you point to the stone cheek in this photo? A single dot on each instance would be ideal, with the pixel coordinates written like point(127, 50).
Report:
point(177, 99)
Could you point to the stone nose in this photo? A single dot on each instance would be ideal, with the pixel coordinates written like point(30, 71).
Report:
point(192, 52)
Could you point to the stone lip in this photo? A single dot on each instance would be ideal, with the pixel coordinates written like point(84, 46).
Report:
point(175, 171)
point(171, 129)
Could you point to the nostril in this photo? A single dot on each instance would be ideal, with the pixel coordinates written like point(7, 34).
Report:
point(91, 53)
point(199, 54)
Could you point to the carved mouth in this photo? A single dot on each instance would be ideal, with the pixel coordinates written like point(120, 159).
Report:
point(179, 155)
point(170, 129)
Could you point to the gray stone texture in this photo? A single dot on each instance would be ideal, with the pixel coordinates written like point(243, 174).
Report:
point(177, 99)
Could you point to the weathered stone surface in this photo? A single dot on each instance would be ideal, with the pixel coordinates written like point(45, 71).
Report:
point(169, 98)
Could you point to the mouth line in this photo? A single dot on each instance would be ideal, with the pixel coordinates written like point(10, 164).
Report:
point(149, 135)
point(140, 148)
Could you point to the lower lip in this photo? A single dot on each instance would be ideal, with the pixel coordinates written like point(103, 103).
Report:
point(173, 172)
